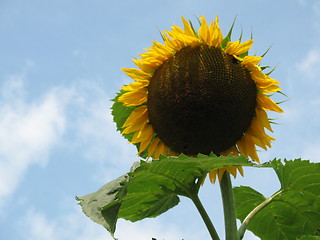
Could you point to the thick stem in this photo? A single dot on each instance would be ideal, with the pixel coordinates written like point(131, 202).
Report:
point(229, 208)
point(205, 217)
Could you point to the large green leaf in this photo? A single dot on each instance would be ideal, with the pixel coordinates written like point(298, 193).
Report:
point(309, 238)
point(290, 213)
point(93, 203)
point(153, 187)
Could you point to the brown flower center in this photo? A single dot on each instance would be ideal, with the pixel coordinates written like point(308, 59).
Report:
point(201, 100)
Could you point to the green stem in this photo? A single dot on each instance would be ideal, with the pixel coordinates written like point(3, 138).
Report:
point(229, 208)
point(248, 218)
point(205, 217)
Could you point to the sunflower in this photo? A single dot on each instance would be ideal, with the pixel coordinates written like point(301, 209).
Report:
point(197, 92)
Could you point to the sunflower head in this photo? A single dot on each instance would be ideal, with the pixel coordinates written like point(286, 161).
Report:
point(197, 92)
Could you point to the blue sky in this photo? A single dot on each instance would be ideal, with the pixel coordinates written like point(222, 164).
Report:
point(60, 66)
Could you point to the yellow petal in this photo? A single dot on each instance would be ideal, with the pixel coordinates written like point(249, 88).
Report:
point(153, 146)
point(182, 40)
point(240, 171)
point(247, 147)
point(135, 115)
point(237, 48)
point(163, 50)
point(145, 143)
point(143, 134)
point(215, 34)
point(161, 149)
point(136, 85)
point(220, 173)
point(262, 79)
point(268, 104)
point(137, 74)
point(251, 60)
point(137, 126)
point(203, 30)
point(232, 171)
point(134, 98)
point(174, 44)
point(147, 66)
point(212, 175)
point(187, 28)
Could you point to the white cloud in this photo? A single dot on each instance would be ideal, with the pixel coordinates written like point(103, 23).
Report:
point(31, 126)
point(96, 131)
point(28, 130)
point(310, 65)
point(37, 226)
point(73, 225)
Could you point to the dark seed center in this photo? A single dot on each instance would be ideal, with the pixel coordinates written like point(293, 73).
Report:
point(201, 100)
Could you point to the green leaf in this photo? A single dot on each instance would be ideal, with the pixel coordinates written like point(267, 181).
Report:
point(120, 114)
point(153, 188)
point(290, 213)
point(246, 199)
point(309, 238)
point(93, 203)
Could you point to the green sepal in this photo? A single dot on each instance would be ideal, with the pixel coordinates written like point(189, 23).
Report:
point(193, 29)
point(266, 51)
point(120, 115)
point(228, 37)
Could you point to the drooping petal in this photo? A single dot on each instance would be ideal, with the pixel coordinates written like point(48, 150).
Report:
point(137, 125)
point(213, 175)
point(232, 171)
point(161, 149)
point(247, 147)
point(268, 104)
point(135, 115)
point(145, 133)
point(262, 117)
point(145, 143)
point(153, 146)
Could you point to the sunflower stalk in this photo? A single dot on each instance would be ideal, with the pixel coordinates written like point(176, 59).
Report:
point(229, 207)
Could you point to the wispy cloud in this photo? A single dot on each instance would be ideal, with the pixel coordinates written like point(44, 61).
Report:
point(310, 65)
point(36, 225)
point(28, 130)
